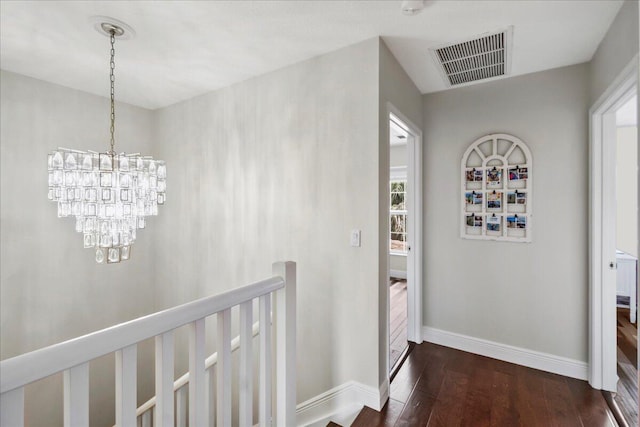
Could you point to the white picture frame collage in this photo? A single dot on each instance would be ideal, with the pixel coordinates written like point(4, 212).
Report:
point(496, 183)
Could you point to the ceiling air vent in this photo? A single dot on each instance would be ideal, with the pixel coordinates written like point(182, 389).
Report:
point(481, 58)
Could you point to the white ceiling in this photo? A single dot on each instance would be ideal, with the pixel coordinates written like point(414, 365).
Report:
point(185, 48)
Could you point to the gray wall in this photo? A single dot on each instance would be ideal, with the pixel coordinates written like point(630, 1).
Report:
point(50, 288)
point(398, 155)
point(627, 190)
point(280, 167)
point(396, 88)
point(527, 295)
point(615, 51)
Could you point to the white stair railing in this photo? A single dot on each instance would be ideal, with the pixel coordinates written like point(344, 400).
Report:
point(72, 358)
point(147, 412)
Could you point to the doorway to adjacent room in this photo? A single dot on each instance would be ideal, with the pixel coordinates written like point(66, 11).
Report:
point(404, 239)
point(613, 357)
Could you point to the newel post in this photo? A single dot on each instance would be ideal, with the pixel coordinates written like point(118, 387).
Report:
point(285, 321)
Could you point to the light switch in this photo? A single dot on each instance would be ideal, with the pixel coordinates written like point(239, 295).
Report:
point(355, 238)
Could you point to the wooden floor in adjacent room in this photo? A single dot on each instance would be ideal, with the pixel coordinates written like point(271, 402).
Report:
point(440, 386)
point(397, 319)
point(627, 395)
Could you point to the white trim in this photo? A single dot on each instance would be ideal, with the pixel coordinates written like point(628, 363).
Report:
point(399, 274)
point(414, 238)
point(602, 318)
point(340, 402)
point(383, 393)
point(396, 253)
point(518, 355)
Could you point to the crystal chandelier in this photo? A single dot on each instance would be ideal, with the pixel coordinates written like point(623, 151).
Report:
point(109, 194)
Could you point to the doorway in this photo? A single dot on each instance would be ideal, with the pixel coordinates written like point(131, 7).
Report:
point(607, 255)
point(398, 241)
point(626, 225)
point(405, 308)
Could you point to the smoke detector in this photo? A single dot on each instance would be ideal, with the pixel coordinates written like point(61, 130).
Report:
point(484, 57)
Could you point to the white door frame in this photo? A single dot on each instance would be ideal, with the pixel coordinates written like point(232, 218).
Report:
point(414, 225)
point(602, 238)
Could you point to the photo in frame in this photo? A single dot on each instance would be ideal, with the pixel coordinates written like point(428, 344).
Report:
point(494, 200)
point(516, 221)
point(493, 223)
point(516, 197)
point(473, 198)
point(494, 177)
point(518, 173)
point(521, 222)
point(474, 221)
point(469, 175)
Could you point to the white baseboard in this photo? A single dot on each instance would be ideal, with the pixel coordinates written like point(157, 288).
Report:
point(400, 274)
point(520, 356)
point(341, 404)
point(383, 395)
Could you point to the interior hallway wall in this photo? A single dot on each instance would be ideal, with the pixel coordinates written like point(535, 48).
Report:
point(615, 51)
point(281, 167)
point(396, 88)
point(530, 295)
point(627, 190)
point(51, 288)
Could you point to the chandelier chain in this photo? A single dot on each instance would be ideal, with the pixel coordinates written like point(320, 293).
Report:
point(112, 78)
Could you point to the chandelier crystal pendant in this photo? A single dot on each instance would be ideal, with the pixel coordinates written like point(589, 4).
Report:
point(109, 194)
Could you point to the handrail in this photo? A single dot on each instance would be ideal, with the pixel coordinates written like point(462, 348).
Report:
point(208, 363)
point(27, 368)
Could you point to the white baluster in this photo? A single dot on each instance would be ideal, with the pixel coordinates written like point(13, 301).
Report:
point(246, 365)
point(126, 383)
point(264, 403)
point(12, 408)
point(196, 374)
point(285, 321)
point(223, 393)
point(146, 419)
point(181, 407)
point(164, 380)
point(210, 394)
point(76, 396)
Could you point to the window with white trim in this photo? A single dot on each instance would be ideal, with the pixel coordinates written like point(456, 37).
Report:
point(398, 216)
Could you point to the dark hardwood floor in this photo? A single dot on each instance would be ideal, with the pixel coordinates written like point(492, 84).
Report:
point(397, 319)
point(627, 395)
point(440, 386)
